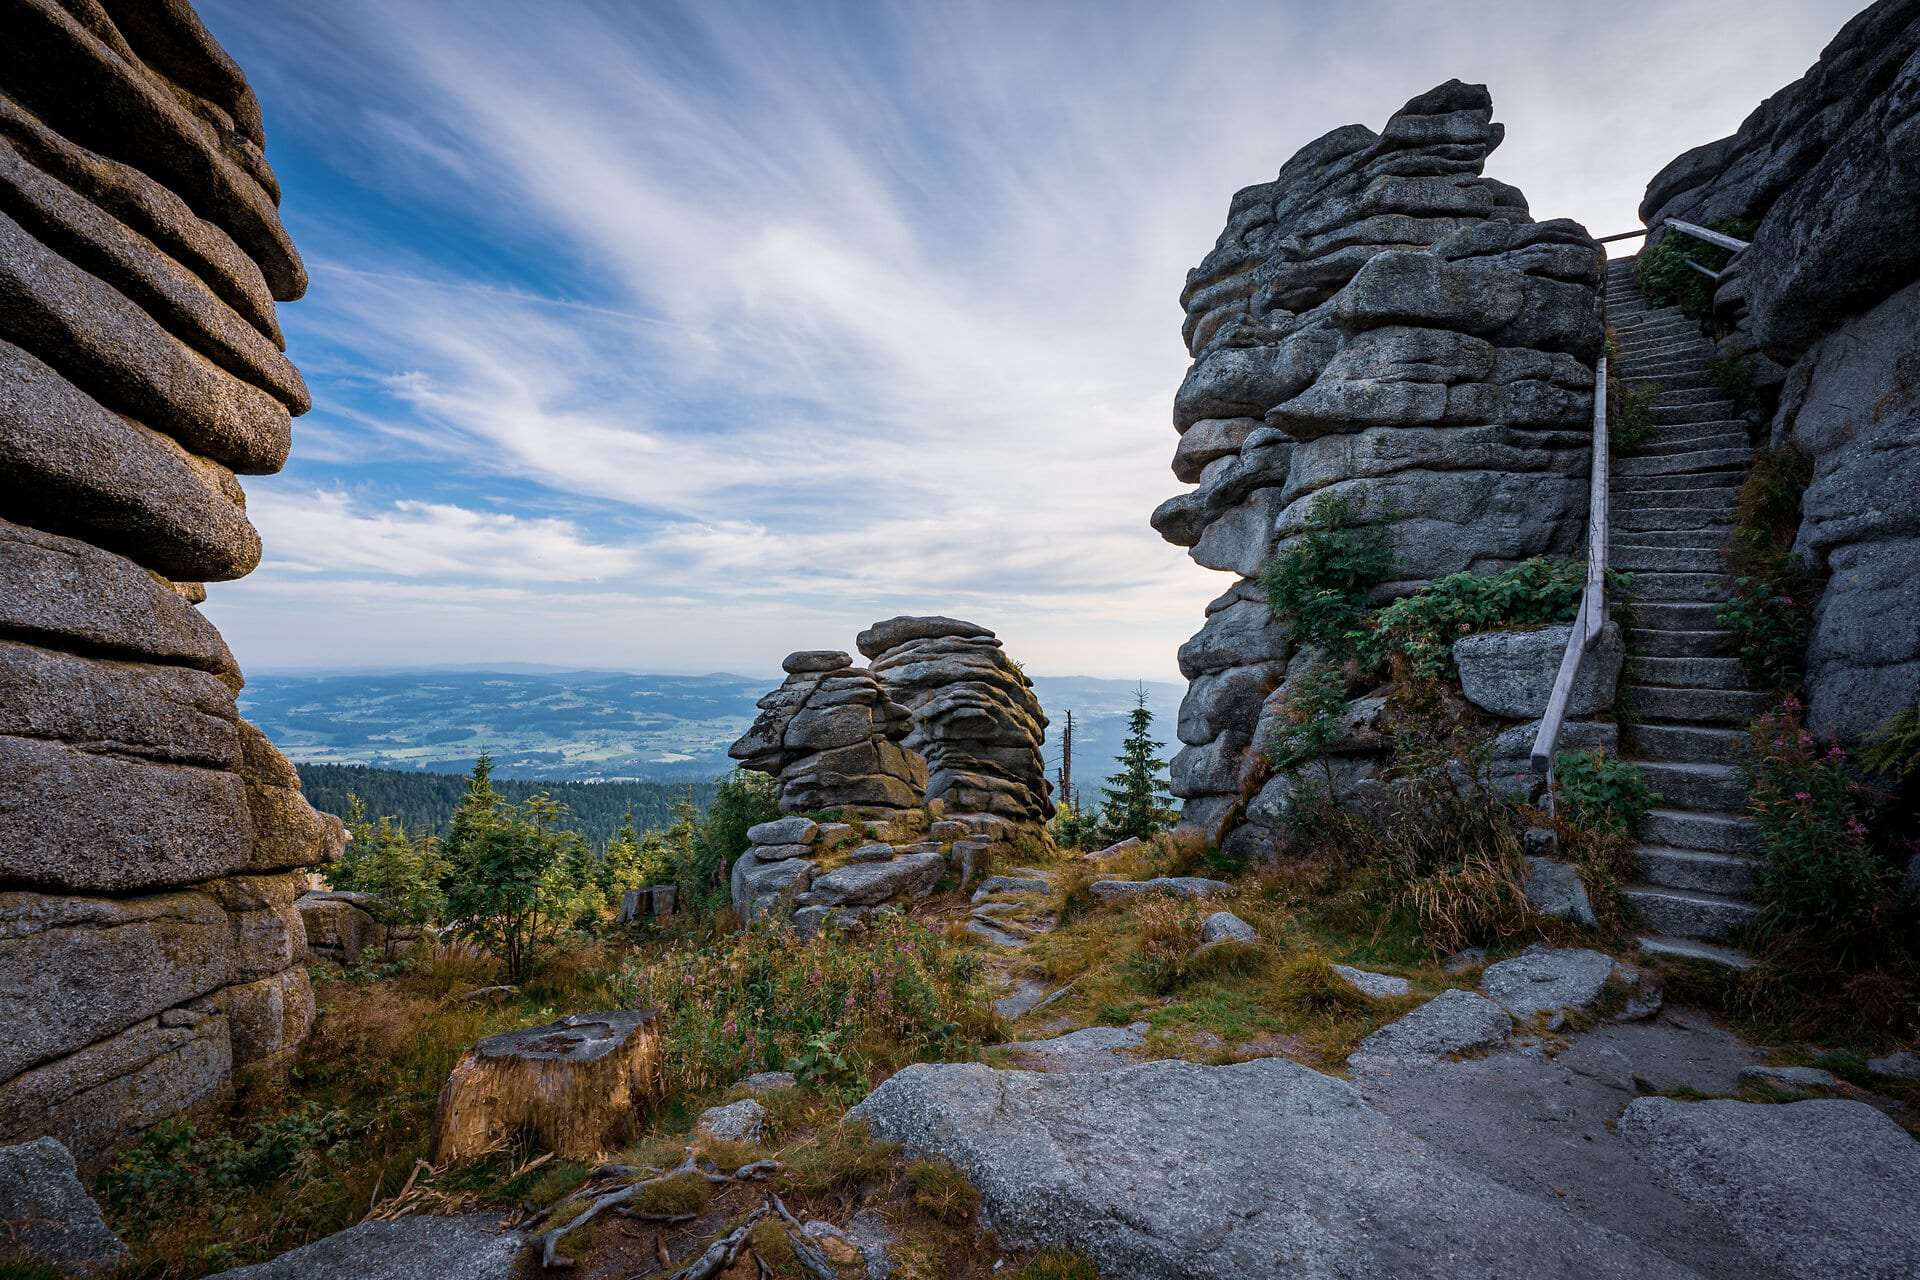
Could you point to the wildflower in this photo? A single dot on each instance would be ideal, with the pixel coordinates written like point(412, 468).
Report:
point(1801, 795)
point(1856, 828)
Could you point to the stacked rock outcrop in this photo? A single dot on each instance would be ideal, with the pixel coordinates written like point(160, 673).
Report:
point(150, 839)
point(1825, 306)
point(831, 736)
point(975, 718)
point(1384, 325)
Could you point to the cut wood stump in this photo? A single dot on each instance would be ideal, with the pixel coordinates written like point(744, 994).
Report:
point(579, 1086)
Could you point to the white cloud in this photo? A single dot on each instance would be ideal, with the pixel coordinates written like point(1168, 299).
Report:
point(828, 312)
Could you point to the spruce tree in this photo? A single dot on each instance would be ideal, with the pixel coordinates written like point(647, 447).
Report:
point(1136, 801)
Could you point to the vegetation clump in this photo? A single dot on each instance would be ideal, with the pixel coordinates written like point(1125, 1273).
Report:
point(1600, 792)
point(1320, 581)
point(1667, 276)
point(1771, 610)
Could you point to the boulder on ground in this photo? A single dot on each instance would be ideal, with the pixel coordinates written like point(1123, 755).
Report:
point(1224, 926)
point(579, 1085)
point(1823, 1188)
point(1381, 986)
point(46, 1215)
point(1545, 979)
point(1173, 1171)
point(1452, 1022)
point(469, 1248)
point(1173, 886)
point(1555, 889)
point(735, 1122)
point(339, 925)
point(868, 884)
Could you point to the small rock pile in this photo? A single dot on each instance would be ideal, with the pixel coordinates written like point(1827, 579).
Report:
point(831, 735)
point(1383, 325)
point(150, 840)
point(780, 873)
point(975, 718)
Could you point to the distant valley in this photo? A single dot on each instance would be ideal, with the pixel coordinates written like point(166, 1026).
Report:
point(601, 726)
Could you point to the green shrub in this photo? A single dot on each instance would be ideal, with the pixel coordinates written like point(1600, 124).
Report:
point(1599, 792)
point(1423, 626)
point(1319, 581)
point(1075, 826)
point(1734, 376)
point(1819, 876)
point(1770, 631)
point(176, 1164)
point(1308, 720)
point(1632, 425)
point(1667, 279)
point(1893, 750)
point(754, 1001)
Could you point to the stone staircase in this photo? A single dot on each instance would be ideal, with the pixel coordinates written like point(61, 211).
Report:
point(1672, 506)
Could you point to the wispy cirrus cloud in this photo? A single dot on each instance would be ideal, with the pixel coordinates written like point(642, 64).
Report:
point(723, 329)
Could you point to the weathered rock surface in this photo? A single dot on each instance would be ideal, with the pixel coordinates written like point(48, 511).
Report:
point(469, 1248)
point(832, 736)
point(1171, 886)
point(1555, 889)
point(1381, 986)
point(976, 720)
point(1382, 325)
point(1319, 1183)
point(1823, 305)
point(1545, 979)
point(143, 956)
point(1511, 673)
point(1452, 1022)
point(868, 884)
point(1822, 1188)
point(735, 1122)
point(46, 1215)
point(1089, 1049)
point(1224, 926)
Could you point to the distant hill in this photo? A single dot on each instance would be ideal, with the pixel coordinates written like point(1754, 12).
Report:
point(599, 727)
point(427, 800)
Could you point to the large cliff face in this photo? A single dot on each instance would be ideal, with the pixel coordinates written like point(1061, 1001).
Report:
point(1383, 323)
point(150, 840)
point(1826, 304)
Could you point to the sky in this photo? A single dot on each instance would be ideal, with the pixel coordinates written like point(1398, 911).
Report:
point(673, 338)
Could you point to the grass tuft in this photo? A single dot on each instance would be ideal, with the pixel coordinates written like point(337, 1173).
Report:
point(941, 1190)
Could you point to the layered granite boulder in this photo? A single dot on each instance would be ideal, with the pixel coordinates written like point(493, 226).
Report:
point(832, 737)
point(1825, 306)
point(151, 842)
point(1383, 326)
point(976, 720)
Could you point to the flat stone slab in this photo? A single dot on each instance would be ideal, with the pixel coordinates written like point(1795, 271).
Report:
point(46, 1214)
point(1452, 1022)
point(1173, 1171)
point(769, 1081)
point(1381, 986)
point(1790, 1077)
point(1010, 884)
point(869, 884)
point(793, 830)
point(1904, 1065)
point(1825, 1188)
point(1090, 1049)
point(875, 852)
point(469, 1248)
point(1179, 886)
point(736, 1122)
point(1545, 979)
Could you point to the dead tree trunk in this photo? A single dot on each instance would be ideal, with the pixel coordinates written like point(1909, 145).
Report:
point(580, 1085)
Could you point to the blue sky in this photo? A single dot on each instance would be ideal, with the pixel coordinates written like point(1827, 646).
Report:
point(673, 338)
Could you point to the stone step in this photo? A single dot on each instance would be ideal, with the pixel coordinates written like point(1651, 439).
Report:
point(1685, 492)
point(1691, 949)
point(1695, 706)
point(1651, 586)
point(1667, 464)
point(1728, 875)
point(1682, 744)
point(1707, 484)
point(1676, 397)
point(1689, 913)
point(1685, 829)
point(1686, 672)
point(1705, 787)
point(1691, 439)
point(1631, 339)
point(1657, 364)
point(1629, 329)
point(1679, 615)
point(1653, 344)
point(1655, 519)
point(1669, 538)
point(1683, 381)
point(1679, 644)
point(1635, 559)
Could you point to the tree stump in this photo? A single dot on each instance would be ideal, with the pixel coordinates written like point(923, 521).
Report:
point(579, 1086)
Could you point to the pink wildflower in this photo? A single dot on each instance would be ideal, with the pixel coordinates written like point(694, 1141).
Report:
point(1801, 795)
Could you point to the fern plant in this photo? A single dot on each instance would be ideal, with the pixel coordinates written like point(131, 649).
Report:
point(1319, 581)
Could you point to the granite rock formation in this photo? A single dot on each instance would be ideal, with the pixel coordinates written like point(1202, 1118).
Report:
point(1383, 324)
point(976, 721)
point(1826, 305)
point(831, 735)
point(151, 842)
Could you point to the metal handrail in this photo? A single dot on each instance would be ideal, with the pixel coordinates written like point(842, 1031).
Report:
point(1592, 617)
